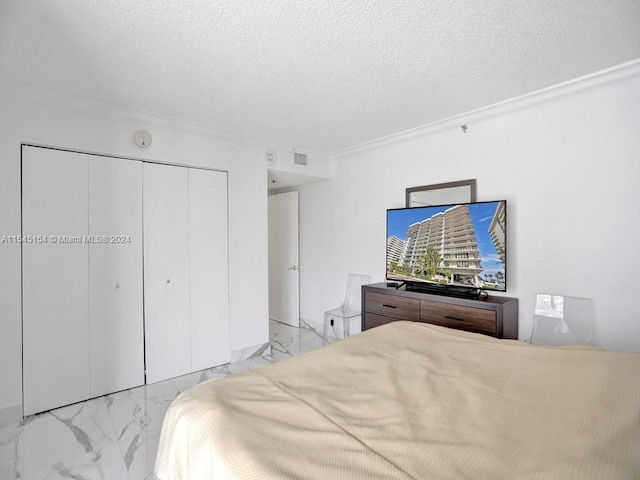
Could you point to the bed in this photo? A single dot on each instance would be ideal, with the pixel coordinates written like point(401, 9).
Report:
point(411, 400)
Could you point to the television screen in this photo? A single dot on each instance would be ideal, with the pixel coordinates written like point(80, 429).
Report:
point(463, 245)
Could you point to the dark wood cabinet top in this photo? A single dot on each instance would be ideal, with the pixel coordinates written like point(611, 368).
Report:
point(494, 315)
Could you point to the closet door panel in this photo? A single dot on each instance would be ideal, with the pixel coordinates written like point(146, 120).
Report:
point(208, 254)
point(115, 274)
point(56, 358)
point(166, 271)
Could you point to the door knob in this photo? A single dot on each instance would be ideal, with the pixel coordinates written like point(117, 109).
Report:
point(294, 268)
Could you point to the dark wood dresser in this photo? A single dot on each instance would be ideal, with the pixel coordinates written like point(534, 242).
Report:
point(494, 316)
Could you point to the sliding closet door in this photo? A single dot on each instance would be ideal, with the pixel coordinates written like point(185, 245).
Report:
point(186, 270)
point(166, 271)
point(55, 280)
point(82, 287)
point(208, 254)
point(115, 274)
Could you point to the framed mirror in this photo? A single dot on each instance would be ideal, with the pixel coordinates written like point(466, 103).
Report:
point(448, 193)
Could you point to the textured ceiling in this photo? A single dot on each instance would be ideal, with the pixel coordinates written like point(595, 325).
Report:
point(320, 75)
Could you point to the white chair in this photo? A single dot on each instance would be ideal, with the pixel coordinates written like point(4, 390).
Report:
point(561, 320)
point(351, 306)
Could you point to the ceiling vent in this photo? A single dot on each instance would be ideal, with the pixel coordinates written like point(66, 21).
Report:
point(300, 159)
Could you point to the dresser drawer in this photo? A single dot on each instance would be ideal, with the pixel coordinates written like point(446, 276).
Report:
point(495, 316)
point(372, 320)
point(393, 306)
point(457, 316)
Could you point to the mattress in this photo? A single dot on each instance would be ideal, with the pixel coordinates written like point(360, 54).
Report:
point(410, 400)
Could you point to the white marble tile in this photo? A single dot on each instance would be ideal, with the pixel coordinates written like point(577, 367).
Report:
point(187, 381)
point(140, 457)
point(141, 408)
point(77, 441)
point(137, 416)
point(287, 341)
point(115, 437)
point(245, 353)
point(9, 454)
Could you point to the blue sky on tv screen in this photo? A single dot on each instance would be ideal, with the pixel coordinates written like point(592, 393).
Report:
point(398, 222)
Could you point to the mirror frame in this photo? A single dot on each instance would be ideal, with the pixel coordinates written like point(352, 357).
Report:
point(471, 197)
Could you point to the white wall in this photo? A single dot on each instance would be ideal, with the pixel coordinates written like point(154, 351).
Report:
point(570, 171)
point(66, 123)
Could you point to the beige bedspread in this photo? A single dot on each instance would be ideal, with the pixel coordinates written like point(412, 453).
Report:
point(410, 400)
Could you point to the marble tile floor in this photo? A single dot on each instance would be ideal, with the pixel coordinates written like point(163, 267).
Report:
point(115, 437)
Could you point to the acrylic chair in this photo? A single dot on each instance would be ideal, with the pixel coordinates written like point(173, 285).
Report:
point(561, 320)
point(350, 309)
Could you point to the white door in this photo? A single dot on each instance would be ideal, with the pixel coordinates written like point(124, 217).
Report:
point(55, 279)
point(186, 272)
point(284, 303)
point(208, 269)
point(115, 274)
point(166, 271)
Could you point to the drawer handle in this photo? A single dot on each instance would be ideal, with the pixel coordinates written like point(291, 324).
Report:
point(389, 306)
point(454, 318)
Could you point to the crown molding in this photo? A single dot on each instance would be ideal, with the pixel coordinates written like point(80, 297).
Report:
point(594, 81)
point(102, 108)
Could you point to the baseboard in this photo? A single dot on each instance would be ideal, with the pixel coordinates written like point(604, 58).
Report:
point(10, 414)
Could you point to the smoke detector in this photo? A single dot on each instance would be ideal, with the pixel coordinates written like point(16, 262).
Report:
point(142, 138)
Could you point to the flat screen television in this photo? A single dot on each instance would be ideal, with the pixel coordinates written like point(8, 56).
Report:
point(458, 249)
